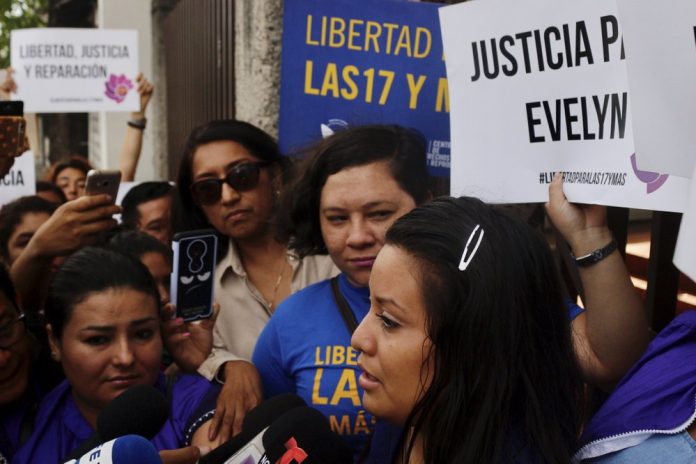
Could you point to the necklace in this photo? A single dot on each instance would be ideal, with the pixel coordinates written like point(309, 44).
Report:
point(277, 284)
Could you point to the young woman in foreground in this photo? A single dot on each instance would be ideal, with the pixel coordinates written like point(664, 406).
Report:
point(467, 343)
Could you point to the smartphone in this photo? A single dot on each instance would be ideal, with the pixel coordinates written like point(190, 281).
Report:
point(99, 182)
point(12, 108)
point(193, 273)
point(12, 129)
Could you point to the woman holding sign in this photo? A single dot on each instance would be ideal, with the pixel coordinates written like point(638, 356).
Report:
point(356, 184)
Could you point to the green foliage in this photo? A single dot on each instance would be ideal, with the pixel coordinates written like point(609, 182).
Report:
point(19, 14)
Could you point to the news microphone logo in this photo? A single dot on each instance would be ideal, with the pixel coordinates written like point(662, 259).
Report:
point(126, 449)
point(294, 453)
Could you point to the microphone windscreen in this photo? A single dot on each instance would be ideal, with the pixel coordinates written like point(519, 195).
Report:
point(255, 421)
point(122, 450)
point(265, 413)
point(140, 410)
point(304, 435)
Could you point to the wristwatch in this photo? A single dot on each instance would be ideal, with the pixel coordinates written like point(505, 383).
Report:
point(595, 256)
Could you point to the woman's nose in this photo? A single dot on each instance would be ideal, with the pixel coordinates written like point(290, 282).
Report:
point(360, 235)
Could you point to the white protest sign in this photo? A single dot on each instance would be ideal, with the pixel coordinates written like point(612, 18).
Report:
point(540, 86)
point(61, 70)
point(660, 41)
point(20, 181)
point(685, 251)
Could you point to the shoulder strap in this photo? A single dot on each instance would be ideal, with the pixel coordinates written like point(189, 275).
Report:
point(343, 307)
point(170, 380)
point(28, 421)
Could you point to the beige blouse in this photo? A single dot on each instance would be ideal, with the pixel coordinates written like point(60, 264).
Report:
point(244, 312)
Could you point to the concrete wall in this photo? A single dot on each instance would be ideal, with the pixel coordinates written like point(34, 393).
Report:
point(107, 129)
point(258, 29)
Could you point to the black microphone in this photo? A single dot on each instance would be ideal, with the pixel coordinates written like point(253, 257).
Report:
point(248, 442)
point(140, 410)
point(303, 435)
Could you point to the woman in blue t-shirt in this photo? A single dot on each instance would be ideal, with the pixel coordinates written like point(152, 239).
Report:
point(356, 184)
point(103, 313)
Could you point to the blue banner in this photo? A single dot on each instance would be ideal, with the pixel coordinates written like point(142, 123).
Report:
point(351, 62)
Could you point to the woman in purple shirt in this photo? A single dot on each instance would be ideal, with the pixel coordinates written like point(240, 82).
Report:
point(103, 315)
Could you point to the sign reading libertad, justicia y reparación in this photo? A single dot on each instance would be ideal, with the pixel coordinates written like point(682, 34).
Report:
point(75, 70)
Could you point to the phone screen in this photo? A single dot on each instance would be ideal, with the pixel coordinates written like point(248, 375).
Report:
point(12, 108)
point(193, 274)
point(100, 182)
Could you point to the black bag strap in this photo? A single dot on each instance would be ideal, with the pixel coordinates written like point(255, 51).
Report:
point(343, 307)
point(28, 421)
point(170, 380)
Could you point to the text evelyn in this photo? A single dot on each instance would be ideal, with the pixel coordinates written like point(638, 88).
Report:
point(561, 118)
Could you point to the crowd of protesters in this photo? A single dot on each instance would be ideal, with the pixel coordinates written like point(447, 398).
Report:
point(424, 329)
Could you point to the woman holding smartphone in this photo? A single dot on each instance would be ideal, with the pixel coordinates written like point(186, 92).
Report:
point(229, 179)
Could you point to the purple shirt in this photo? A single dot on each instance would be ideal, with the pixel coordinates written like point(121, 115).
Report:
point(658, 394)
point(60, 427)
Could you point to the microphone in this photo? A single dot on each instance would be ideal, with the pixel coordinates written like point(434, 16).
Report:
point(122, 450)
point(303, 435)
point(140, 410)
point(247, 447)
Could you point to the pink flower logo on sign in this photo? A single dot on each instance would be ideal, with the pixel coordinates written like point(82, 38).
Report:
point(117, 87)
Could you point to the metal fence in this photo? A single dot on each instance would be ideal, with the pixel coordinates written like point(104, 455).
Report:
point(200, 84)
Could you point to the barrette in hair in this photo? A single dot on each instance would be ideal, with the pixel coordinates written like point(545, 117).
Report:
point(466, 256)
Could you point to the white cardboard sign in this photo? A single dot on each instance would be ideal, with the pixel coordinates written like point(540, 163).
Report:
point(60, 70)
point(660, 41)
point(20, 181)
point(537, 87)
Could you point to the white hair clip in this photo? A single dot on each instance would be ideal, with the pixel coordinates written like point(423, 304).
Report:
point(464, 262)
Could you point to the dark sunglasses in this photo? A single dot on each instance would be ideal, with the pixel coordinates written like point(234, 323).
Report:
point(242, 177)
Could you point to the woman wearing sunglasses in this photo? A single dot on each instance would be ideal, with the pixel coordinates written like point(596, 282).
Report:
point(229, 178)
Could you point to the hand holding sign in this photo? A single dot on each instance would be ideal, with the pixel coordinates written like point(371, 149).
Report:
point(145, 90)
point(583, 226)
point(7, 84)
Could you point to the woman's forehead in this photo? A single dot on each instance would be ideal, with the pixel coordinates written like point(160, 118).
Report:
point(114, 306)
point(219, 154)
